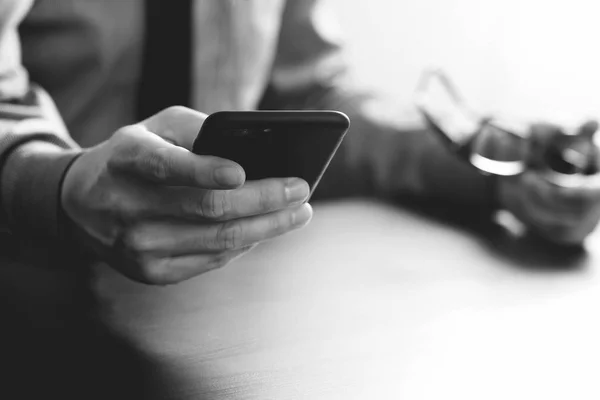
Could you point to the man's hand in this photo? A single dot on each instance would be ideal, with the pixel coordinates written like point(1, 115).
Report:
point(559, 214)
point(161, 214)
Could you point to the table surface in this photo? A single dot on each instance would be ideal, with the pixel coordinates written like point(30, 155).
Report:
point(371, 301)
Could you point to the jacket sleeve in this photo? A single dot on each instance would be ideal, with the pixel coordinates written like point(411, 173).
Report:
point(35, 148)
point(379, 155)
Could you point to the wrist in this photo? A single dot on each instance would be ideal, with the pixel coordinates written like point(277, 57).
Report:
point(30, 182)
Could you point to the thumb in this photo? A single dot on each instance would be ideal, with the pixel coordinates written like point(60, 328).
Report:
point(178, 125)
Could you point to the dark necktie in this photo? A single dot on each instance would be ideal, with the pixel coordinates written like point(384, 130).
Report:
point(166, 66)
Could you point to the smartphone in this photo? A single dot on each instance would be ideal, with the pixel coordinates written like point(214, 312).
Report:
point(275, 144)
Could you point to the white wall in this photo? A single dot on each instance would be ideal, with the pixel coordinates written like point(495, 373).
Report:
point(528, 58)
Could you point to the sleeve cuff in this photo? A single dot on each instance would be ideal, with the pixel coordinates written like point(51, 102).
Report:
point(31, 187)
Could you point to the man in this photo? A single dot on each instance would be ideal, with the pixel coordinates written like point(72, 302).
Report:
point(132, 194)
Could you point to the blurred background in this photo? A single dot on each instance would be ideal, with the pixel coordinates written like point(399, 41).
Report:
point(518, 58)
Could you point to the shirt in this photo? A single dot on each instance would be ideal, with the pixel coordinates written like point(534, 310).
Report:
point(69, 74)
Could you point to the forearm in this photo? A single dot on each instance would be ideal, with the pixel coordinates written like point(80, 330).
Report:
point(34, 143)
point(35, 151)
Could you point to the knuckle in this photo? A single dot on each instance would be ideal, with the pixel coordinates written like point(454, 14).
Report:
point(282, 222)
point(214, 204)
point(114, 205)
point(128, 213)
point(124, 211)
point(126, 148)
point(135, 250)
point(158, 164)
point(277, 224)
point(127, 137)
point(115, 162)
point(136, 241)
point(269, 198)
point(230, 236)
point(157, 272)
point(175, 111)
point(124, 134)
point(123, 207)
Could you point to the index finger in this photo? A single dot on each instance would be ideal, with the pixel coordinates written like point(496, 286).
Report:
point(177, 124)
point(152, 158)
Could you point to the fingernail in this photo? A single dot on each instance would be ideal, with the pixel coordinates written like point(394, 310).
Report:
point(296, 190)
point(302, 215)
point(229, 176)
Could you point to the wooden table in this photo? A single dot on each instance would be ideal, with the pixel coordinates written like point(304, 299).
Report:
point(370, 302)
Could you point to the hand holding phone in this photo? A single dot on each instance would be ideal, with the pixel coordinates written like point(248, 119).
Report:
point(171, 215)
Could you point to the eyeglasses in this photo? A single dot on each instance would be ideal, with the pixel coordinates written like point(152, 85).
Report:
point(506, 147)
